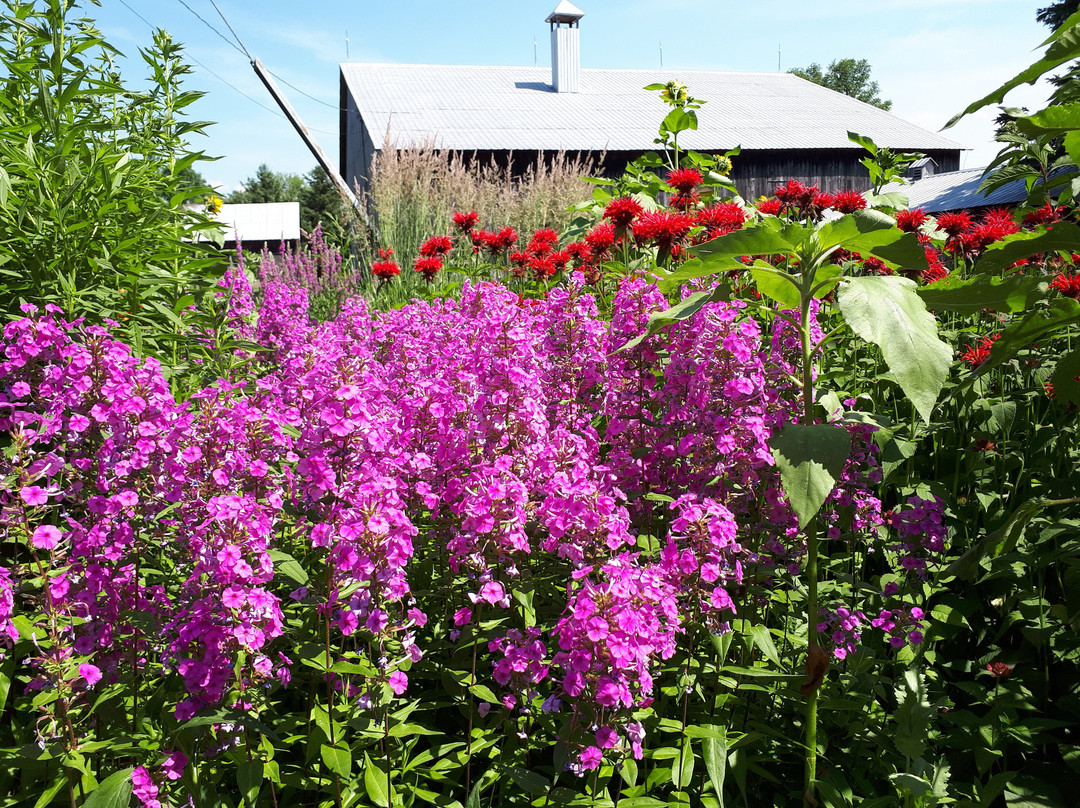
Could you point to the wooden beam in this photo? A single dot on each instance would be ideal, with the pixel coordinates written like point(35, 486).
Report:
point(308, 138)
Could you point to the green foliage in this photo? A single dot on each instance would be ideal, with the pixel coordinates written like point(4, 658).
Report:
point(847, 76)
point(95, 181)
point(884, 165)
point(888, 312)
point(810, 458)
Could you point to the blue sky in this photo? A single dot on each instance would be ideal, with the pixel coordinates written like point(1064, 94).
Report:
point(931, 57)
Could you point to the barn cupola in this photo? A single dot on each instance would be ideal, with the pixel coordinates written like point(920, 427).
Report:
point(565, 48)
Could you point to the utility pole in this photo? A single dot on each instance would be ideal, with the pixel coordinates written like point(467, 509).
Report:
point(307, 137)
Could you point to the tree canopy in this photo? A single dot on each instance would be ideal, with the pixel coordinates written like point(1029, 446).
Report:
point(847, 76)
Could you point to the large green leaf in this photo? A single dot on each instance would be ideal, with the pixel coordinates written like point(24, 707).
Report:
point(972, 295)
point(249, 777)
point(1065, 47)
point(810, 458)
point(530, 781)
point(112, 792)
point(683, 770)
point(723, 252)
point(1053, 120)
point(776, 286)
point(868, 228)
point(714, 751)
point(337, 759)
point(887, 311)
point(1064, 378)
point(912, 716)
point(1001, 254)
point(375, 783)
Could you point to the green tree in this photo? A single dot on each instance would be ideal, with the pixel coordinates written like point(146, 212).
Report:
point(1056, 13)
point(320, 202)
point(847, 76)
point(269, 186)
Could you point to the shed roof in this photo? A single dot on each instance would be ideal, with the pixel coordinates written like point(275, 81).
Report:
point(260, 221)
point(499, 108)
point(957, 190)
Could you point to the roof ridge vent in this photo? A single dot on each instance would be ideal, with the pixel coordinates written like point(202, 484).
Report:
point(565, 47)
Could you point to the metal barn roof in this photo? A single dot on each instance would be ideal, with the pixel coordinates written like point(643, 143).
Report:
point(479, 107)
point(957, 190)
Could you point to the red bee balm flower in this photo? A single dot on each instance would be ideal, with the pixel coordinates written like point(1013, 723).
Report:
point(955, 223)
point(601, 238)
point(465, 222)
point(1068, 285)
point(436, 245)
point(685, 180)
point(720, 219)
point(910, 220)
point(428, 266)
point(385, 268)
point(664, 229)
point(622, 211)
point(773, 207)
point(849, 201)
point(975, 355)
point(999, 670)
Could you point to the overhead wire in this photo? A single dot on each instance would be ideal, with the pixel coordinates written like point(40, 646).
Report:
point(227, 25)
point(223, 80)
point(309, 95)
point(224, 38)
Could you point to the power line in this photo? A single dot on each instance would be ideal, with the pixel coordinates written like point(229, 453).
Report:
point(215, 5)
point(224, 38)
point(220, 78)
point(309, 95)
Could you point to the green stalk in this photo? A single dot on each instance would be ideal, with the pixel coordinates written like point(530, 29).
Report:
point(810, 573)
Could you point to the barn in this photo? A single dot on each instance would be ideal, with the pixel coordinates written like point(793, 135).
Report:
point(786, 126)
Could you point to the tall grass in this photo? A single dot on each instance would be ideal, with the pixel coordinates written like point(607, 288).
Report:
point(414, 192)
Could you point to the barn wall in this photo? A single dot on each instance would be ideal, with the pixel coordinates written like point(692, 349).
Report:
point(755, 173)
point(357, 148)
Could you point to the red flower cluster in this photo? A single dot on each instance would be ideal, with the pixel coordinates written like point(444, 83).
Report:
point(720, 219)
point(848, 201)
point(495, 243)
point(966, 238)
point(428, 266)
point(663, 229)
point(622, 212)
point(685, 180)
point(937, 269)
point(465, 222)
point(1067, 284)
point(773, 207)
point(975, 355)
point(1000, 670)
point(910, 220)
point(385, 268)
point(601, 239)
point(543, 241)
point(797, 195)
point(955, 223)
point(1047, 214)
point(436, 246)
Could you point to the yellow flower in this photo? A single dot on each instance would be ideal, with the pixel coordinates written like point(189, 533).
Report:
point(723, 165)
point(674, 93)
point(213, 204)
